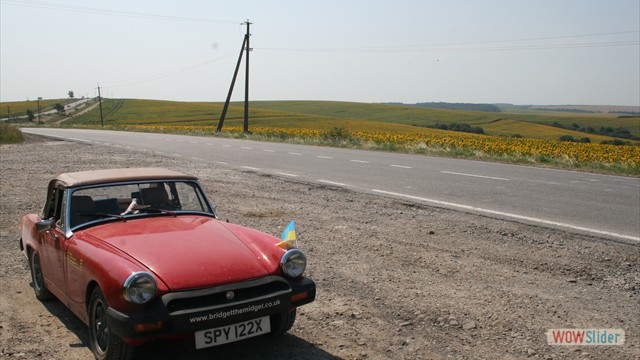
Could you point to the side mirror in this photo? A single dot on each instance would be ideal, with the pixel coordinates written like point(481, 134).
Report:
point(45, 225)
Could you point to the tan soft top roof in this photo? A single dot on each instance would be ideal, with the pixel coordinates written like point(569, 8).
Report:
point(116, 175)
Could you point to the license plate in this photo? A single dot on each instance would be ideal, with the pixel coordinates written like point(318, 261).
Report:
point(230, 333)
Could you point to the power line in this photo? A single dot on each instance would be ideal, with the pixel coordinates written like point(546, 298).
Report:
point(154, 77)
point(90, 10)
point(465, 49)
point(470, 46)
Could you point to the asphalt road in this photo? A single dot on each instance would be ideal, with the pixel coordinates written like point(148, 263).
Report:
point(601, 205)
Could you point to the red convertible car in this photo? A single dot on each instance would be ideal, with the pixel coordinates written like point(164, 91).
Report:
point(139, 254)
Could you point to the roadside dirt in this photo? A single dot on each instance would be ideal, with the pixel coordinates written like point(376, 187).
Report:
point(396, 280)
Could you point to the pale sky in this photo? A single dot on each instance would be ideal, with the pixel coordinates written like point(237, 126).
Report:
point(490, 51)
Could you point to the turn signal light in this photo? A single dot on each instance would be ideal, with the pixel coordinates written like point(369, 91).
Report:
point(141, 328)
point(298, 297)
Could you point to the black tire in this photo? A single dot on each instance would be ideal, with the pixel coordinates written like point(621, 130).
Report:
point(37, 278)
point(104, 344)
point(283, 322)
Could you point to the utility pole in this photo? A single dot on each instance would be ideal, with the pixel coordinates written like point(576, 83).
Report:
point(100, 104)
point(39, 117)
point(246, 80)
point(233, 82)
point(244, 49)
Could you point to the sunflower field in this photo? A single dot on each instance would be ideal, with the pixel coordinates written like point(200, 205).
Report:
point(620, 159)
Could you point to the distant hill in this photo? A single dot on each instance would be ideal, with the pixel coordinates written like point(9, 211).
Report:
point(632, 110)
point(583, 109)
point(460, 106)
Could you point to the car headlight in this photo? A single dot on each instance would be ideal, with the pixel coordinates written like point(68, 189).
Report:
point(140, 287)
point(293, 263)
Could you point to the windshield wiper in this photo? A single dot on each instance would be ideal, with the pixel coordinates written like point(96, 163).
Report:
point(155, 210)
point(104, 216)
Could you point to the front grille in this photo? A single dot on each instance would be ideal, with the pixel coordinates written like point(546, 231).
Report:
point(196, 300)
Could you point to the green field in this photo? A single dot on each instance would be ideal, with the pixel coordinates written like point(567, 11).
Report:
point(348, 115)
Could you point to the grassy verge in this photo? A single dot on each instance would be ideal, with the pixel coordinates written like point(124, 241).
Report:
point(10, 134)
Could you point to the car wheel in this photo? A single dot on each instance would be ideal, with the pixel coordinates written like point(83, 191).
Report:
point(37, 278)
point(104, 344)
point(281, 323)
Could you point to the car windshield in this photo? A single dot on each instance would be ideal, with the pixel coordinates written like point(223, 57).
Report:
point(119, 200)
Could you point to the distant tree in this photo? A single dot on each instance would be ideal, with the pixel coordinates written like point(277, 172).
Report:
point(458, 127)
point(59, 108)
point(460, 106)
point(567, 138)
point(31, 115)
point(70, 94)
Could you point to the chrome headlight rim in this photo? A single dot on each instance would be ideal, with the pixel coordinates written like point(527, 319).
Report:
point(293, 263)
point(137, 279)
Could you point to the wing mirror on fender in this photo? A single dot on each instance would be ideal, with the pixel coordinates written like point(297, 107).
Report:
point(46, 225)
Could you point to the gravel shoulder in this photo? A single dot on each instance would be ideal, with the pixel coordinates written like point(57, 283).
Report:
point(395, 279)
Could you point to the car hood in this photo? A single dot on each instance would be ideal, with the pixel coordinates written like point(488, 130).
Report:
point(188, 252)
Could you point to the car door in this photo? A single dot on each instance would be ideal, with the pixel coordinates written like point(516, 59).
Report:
point(54, 244)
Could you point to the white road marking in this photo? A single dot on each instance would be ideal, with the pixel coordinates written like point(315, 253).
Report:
point(293, 153)
point(544, 182)
point(194, 142)
point(332, 182)
point(324, 157)
point(178, 155)
point(210, 144)
point(401, 166)
point(359, 161)
point(246, 148)
point(76, 139)
point(472, 175)
point(287, 174)
point(222, 163)
point(226, 145)
point(250, 168)
point(267, 150)
point(510, 215)
point(196, 158)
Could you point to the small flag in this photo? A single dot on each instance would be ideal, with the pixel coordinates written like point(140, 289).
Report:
point(290, 232)
point(288, 237)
